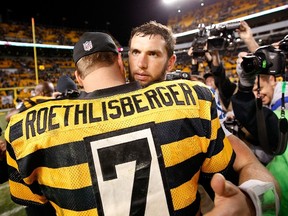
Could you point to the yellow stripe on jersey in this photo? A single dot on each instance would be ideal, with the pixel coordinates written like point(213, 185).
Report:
point(218, 162)
point(185, 194)
point(177, 152)
point(59, 177)
point(10, 161)
point(17, 188)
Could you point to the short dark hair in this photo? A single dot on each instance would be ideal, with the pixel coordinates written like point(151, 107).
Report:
point(155, 28)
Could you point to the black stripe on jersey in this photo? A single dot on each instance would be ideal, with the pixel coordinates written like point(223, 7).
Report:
point(198, 126)
point(24, 202)
point(14, 175)
point(191, 209)
point(203, 93)
point(10, 151)
point(82, 203)
point(216, 147)
point(214, 113)
point(176, 174)
point(16, 131)
point(54, 157)
point(76, 199)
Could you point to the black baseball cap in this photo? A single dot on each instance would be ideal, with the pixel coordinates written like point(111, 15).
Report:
point(208, 74)
point(91, 42)
point(65, 83)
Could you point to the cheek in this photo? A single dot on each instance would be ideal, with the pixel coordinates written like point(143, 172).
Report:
point(131, 64)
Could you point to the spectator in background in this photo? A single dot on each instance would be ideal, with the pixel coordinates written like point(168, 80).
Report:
point(120, 116)
point(219, 83)
point(66, 87)
point(209, 80)
point(267, 89)
point(43, 91)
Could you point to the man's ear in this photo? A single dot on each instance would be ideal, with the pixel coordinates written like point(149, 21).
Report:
point(121, 64)
point(171, 62)
point(78, 78)
point(272, 80)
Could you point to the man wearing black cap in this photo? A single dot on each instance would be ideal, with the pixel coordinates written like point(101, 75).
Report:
point(66, 88)
point(123, 150)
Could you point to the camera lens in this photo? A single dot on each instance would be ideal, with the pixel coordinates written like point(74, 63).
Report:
point(216, 43)
point(251, 64)
point(284, 46)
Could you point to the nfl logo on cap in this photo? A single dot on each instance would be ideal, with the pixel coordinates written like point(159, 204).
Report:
point(87, 45)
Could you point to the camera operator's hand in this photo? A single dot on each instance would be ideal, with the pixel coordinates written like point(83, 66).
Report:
point(245, 79)
point(246, 34)
point(190, 51)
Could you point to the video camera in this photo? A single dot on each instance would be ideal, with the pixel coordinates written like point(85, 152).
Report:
point(199, 42)
point(223, 36)
point(265, 60)
point(283, 44)
point(178, 75)
point(217, 37)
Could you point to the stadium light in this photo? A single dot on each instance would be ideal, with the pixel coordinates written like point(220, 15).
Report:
point(20, 44)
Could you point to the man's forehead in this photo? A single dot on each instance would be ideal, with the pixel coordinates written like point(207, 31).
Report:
point(148, 43)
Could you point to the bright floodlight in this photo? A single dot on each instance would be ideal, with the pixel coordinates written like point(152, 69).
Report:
point(170, 1)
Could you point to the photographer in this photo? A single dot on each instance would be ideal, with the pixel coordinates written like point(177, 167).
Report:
point(222, 87)
point(265, 86)
point(244, 106)
point(206, 47)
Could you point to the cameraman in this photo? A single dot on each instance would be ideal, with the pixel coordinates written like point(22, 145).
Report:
point(244, 107)
point(222, 87)
point(270, 91)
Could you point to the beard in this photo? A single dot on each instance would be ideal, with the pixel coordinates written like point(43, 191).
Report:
point(159, 77)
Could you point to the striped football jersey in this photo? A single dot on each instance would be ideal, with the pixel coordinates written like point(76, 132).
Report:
point(120, 151)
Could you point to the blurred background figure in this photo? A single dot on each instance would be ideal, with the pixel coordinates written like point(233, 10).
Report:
point(66, 87)
point(43, 91)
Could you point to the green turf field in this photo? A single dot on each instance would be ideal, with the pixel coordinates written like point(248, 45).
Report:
point(7, 206)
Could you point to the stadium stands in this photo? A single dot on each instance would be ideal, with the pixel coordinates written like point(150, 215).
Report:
point(17, 64)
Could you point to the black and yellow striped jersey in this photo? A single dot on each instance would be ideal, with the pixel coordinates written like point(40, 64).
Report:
point(32, 101)
point(119, 151)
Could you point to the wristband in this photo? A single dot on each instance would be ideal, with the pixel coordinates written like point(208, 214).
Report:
point(263, 196)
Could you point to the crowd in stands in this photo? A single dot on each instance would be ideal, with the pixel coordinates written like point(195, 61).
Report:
point(17, 65)
point(219, 12)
